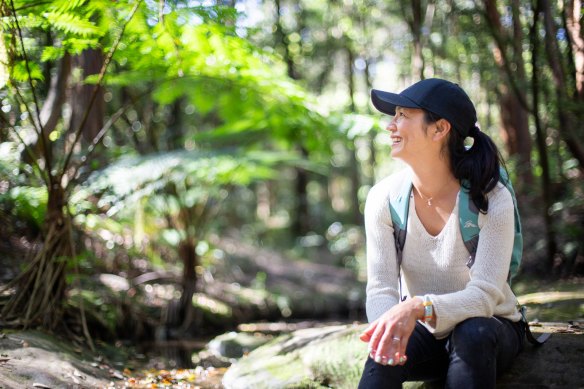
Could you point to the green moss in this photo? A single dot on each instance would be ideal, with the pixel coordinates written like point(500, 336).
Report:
point(338, 359)
point(268, 366)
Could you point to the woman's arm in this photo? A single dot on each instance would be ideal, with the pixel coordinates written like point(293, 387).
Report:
point(382, 270)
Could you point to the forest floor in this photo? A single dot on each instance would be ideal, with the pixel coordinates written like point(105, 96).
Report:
point(32, 359)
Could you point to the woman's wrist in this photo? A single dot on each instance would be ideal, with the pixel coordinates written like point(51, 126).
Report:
point(418, 302)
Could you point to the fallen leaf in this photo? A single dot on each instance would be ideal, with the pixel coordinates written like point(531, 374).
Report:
point(117, 374)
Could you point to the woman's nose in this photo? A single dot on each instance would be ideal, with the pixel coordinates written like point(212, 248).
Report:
point(391, 125)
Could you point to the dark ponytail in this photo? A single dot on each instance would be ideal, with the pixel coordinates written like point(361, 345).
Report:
point(478, 167)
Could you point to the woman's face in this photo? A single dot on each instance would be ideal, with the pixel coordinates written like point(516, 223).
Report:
point(408, 134)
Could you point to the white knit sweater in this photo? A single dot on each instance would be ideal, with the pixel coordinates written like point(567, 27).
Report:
point(436, 265)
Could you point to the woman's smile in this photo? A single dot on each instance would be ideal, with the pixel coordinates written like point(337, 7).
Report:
point(395, 140)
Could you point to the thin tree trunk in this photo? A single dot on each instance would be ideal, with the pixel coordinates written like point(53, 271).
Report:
point(512, 101)
point(187, 253)
point(416, 24)
point(546, 183)
point(576, 33)
point(175, 130)
point(301, 217)
point(565, 118)
point(354, 162)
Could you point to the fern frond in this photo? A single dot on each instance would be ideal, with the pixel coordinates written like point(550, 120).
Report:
point(20, 73)
point(64, 6)
point(71, 23)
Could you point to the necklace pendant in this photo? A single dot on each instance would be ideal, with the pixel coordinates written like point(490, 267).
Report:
point(429, 202)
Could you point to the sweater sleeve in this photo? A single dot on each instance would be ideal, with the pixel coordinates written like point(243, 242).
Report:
point(382, 269)
point(489, 273)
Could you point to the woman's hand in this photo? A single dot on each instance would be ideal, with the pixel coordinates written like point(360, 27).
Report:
point(388, 336)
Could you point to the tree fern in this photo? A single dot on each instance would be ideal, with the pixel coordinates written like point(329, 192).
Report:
point(72, 23)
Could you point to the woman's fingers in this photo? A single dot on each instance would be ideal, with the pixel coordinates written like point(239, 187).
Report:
point(374, 341)
point(392, 346)
point(401, 357)
point(366, 335)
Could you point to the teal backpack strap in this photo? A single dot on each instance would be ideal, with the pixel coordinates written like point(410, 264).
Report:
point(518, 241)
point(468, 217)
point(399, 209)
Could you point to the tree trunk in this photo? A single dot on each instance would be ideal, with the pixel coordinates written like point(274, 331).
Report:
point(576, 34)
point(187, 253)
point(354, 162)
point(175, 131)
point(513, 100)
point(90, 62)
point(301, 216)
point(301, 220)
point(567, 127)
point(413, 17)
point(40, 288)
point(546, 182)
point(50, 113)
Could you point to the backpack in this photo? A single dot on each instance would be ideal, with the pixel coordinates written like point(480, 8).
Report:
point(468, 219)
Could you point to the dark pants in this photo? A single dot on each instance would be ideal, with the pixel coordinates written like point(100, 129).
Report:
point(477, 350)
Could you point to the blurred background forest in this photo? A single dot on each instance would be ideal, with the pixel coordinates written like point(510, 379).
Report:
point(171, 169)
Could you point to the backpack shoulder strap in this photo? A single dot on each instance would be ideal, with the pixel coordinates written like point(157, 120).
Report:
point(468, 218)
point(399, 209)
point(518, 238)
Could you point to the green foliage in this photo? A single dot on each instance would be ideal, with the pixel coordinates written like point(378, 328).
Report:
point(220, 75)
point(196, 175)
point(27, 203)
point(71, 24)
point(20, 71)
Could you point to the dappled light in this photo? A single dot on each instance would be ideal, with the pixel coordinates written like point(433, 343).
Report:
point(183, 183)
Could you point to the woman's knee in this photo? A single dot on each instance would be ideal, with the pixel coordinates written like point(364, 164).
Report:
point(376, 375)
point(475, 336)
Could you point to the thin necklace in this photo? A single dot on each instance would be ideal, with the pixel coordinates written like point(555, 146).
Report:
point(428, 200)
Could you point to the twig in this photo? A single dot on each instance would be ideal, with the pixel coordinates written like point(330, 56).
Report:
point(96, 141)
point(40, 131)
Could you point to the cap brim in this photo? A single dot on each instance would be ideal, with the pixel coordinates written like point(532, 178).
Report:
point(386, 102)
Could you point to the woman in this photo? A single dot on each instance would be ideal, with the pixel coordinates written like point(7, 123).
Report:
point(456, 324)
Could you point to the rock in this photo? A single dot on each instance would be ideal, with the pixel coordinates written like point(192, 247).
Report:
point(236, 344)
point(330, 356)
point(47, 362)
point(558, 363)
point(333, 356)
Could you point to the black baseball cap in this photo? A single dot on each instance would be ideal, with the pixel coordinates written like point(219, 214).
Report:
point(440, 97)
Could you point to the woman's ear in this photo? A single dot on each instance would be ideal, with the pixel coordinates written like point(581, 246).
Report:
point(443, 127)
